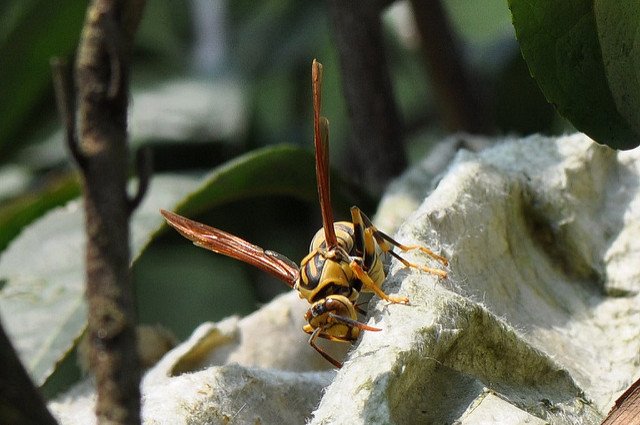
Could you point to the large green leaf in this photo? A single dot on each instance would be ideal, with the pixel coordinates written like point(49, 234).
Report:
point(559, 41)
point(42, 302)
point(619, 35)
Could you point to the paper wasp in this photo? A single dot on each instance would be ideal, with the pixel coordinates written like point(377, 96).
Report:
point(344, 257)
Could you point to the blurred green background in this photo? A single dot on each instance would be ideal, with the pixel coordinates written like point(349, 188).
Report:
point(212, 80)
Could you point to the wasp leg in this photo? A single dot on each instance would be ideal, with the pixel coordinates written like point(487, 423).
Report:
point(438, 272)
point(386, 243)
point(371, 285)
point(312, 342)
point(386, 238)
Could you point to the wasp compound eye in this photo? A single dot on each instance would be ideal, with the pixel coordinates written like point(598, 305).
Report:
point(319, 309)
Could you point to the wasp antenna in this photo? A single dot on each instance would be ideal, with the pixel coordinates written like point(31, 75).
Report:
point(321, 143)
point(353, 323)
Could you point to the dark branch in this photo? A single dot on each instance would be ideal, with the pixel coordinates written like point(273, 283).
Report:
point(377, 132)
point(20, 401)
point(102, 81)
point(460, 105)
point(113, 45)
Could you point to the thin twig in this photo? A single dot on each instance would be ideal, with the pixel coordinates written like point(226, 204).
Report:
point(144, 169)
point(65, 97)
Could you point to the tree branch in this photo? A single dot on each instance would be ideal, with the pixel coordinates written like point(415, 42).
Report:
point(20, 401)
point(101, 77)
point(377, 132)
point(460, 106)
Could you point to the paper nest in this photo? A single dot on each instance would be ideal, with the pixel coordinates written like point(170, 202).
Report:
point(538, 321)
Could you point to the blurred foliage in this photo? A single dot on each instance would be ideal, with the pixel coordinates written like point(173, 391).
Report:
point(18, 212)
point(31, 32)
point(212, 80)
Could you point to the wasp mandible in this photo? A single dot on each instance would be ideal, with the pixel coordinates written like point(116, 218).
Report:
point(344, 258)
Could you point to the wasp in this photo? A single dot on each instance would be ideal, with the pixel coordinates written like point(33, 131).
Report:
point(345, 257)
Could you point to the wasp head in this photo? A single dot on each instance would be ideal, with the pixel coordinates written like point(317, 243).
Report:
point(335, 318)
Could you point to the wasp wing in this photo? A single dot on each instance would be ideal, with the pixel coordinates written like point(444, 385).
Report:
point(321, 143)
point(225, 243)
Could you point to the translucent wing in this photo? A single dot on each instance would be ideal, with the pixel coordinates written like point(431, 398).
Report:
point(321, 143)
point(225, 243)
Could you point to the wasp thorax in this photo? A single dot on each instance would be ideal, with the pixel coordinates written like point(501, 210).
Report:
point(321, 277)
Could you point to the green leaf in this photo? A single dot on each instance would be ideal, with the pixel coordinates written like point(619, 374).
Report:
point(42, 302)
point(559, 41)
point(283, 170)
point(619, 35)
